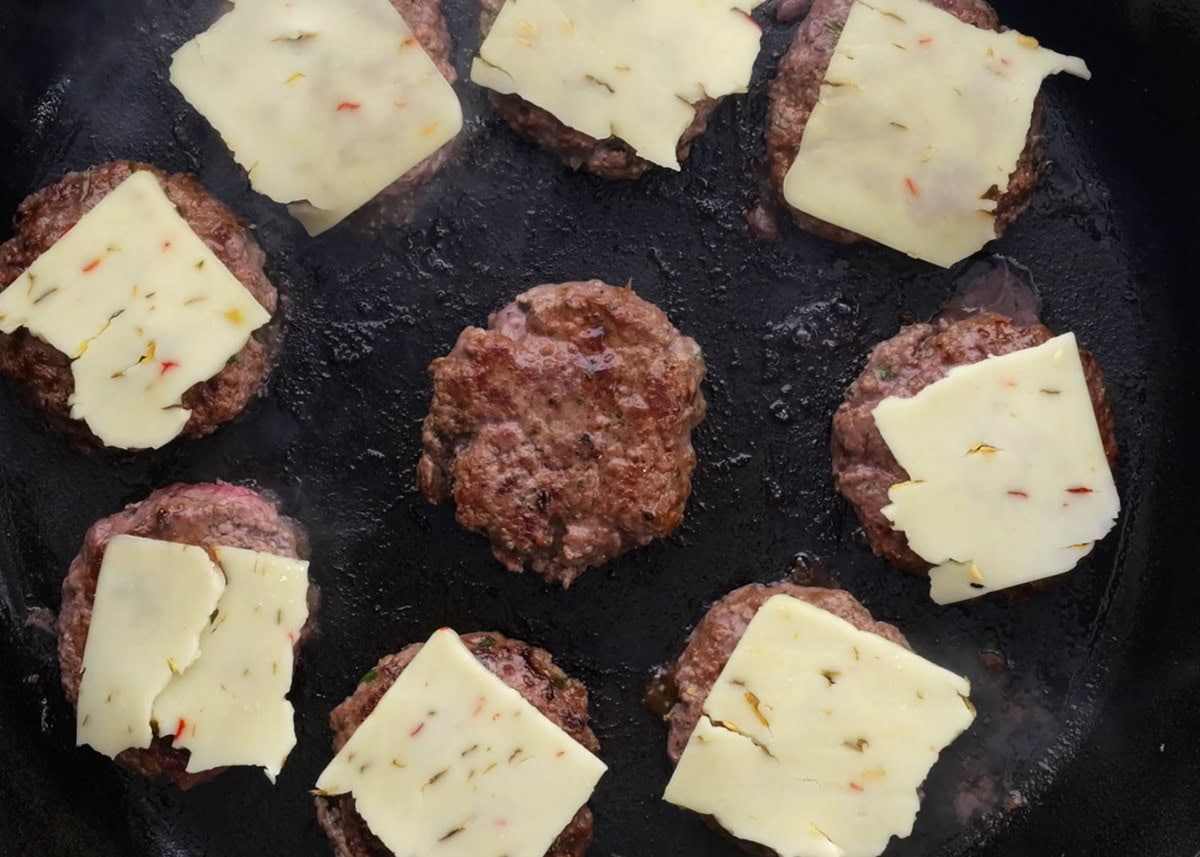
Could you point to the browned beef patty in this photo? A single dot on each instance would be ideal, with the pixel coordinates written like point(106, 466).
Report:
point(208, 516)
point(863, 466)
point(527, 669)
point(428, 25)
point(45, 373)
point(712, 643)
point(797, 86)
point(563, 431)
point(610, 158)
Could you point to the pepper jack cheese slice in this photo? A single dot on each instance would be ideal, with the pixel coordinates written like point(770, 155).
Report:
point(141, 305)
point(230, 706)
point(454, 762)
point(323, 102)
point(631, 69)
point(1009, 481)
point(816, 736)
point(920, 122)
point(153, 599)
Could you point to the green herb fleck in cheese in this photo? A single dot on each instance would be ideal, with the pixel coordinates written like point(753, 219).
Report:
point(455, 763)
point(324, 102)
point(1009, 482)
point(816, 736)
point(920, 122)
point(631, 69)
point(142, 306)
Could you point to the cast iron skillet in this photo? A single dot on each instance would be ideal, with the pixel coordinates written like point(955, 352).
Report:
point(1089, 695)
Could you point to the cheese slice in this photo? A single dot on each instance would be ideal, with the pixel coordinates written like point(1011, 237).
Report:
point(816, 736)
point(141, 305)
point(453, 762)
point(1009, 481)
point(230, 706)
point(920, 123)
point(631, 69)
point(153, 599)
point(323, 102)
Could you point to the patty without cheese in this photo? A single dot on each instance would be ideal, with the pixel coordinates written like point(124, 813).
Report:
point(44, 373)
point(526, 669)
point(207, 516)
point(863, 466)
point(563, 431)
point(797, 87)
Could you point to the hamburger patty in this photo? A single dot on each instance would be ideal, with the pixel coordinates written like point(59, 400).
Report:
point(428, 25)
point(563, 431)
point(527, 669)
point(863, 466)
point(208, 516)
point(45, 373)
point(610, 158)
point(796, 88)
point(713, 640)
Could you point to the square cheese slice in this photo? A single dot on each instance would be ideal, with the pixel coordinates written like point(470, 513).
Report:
point(816, 736)
point(153, 599)
point(141, 305)
point(1009, 482)
point(631, 69)
point(920, 122)
point(230, 707)
point(323, 102)
point(454, 762)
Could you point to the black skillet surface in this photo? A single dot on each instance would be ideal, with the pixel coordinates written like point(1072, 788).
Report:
point(1085, 740)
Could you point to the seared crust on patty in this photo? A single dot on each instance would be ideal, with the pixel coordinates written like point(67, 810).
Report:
point(207, 516)
point(712, 643)
point(527, 669)
point(563, 431)
point(863, 466)
point(797, 87)
point(45, 373)
point(610, 158)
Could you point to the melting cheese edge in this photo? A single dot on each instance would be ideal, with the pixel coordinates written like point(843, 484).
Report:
point(454, 762)
point(919, 125)
point(143, 308)
point(324, 103)
point(816, 736)
point(631, 69)
point(1008, 480)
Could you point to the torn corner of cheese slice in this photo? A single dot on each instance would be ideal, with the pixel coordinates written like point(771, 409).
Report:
point(817, 736)
point(152, 601)
point(920, 123)
point(230, 707)
point(630, 69)
point(324, 102)
point(1008, 477)
point(452, 760)
point(142, 306)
